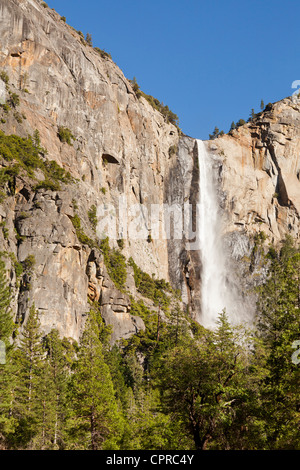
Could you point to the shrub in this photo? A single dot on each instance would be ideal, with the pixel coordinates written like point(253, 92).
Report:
point(18, 117)
point(4, 77)
point(121, 243)
point(240, 123)
point(216, 133)
point(102, 53)
point(154, 289)
point(14, 100)
point(18, 269)
point(89, 39)
point(4, 229)
point(115, 263)
point(29, 263)
point(65, 135)
point(57, 173)
point(92, 215)
point(25, 154)
point(116, 267)
point(47, 184)
point(82, 237)
point(6, 108)
point(23, 215)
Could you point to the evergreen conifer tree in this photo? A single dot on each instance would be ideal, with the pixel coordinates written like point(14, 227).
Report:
point(97, 420)
point(7, 325)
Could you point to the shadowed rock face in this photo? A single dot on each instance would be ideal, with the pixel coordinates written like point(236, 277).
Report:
point(121, 147)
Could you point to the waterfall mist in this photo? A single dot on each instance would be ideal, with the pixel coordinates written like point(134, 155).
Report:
point(217, 294)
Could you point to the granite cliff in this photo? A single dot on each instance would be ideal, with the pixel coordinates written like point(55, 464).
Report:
point(117, 145)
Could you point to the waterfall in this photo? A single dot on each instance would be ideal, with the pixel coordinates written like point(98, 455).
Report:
point(214, 277)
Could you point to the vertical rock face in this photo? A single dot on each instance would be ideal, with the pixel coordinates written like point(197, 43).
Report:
point(122, 150)
point(260, 172)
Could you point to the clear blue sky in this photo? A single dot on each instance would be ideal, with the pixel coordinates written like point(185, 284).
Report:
point(210, 61)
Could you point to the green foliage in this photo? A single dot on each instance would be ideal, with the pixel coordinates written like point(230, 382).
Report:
point(4, 230)
point(4, 77)
point(28, 263)
point(44, 4)
point(97, 421)
point(6, 321)
point(56, 173)
point(216, 133)
point(154, 289)
point(146, 341)
point(14, 100)
point(207, 378)
point(103, 54)
point(121, 243)
point(240, 122)
point(47, 184)
point(232, 127)
point(278, 328)
point(5, 106)
point(25, 155)
point(82, 237)
point(65, 135)
point(115, 263)
point(18, 117)
point(17, 266)
point(92, 215)
point(89, 39)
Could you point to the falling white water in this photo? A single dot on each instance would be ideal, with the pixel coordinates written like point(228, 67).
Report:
point(216, 295)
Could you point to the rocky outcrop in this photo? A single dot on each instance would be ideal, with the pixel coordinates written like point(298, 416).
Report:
point(259, 173)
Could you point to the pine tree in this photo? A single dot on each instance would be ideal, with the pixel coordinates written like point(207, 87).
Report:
point(27, 398)
point(7, 367)
point(96, 421)
point(215, 133)
point(202, 382)
point(232, 127)
point(252, 114)
point(146, 426)
point(7, 325)
point(57, 376)
point(88, 39)
point(278, 328)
